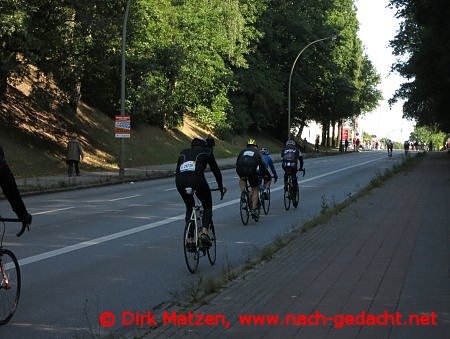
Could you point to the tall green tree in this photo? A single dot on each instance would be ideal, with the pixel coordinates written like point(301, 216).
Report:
point(422, 45)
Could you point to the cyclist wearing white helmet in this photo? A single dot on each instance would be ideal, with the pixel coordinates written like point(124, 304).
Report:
point(290, 156)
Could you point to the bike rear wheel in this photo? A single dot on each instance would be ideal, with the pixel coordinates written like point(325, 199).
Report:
point(9, 285)
point(287, 196)
point(266, 202)
point(191, 248)
point(295, 196)
point(212, 250)
point(244, 207)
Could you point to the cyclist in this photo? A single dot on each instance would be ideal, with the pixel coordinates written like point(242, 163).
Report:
point(190, 173)
point(290, 156)
point(406, 146)
point(11, 192)
point(389, 146)
point(269, 165)
point(247, 163)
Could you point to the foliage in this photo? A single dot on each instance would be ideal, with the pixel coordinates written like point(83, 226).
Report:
point(225, 63)
point(424, 134)
point(422, 46)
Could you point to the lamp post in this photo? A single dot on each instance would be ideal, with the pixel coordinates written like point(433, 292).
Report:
point(290, 78)
point(122, 89)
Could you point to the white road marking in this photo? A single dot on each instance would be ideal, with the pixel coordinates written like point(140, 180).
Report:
point(123, 198)
point(55, 210)
point(96, 241)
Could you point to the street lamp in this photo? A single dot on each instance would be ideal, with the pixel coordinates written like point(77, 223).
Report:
point(333, 37)
point(122, 89)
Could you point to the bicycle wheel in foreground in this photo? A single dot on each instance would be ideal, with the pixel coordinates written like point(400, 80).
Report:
point(244, 207)
point(295, 196)
point(9, 285)
point(287, 196)
point(266, 201)
point(212, 250)
point(191, 247)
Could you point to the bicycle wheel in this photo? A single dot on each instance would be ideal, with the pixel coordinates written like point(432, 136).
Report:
point(266, 202)
point(9, 285)
point(295, 196)
point(287, 196)
point(212, 249)
point(244, 207)
point(191, 249)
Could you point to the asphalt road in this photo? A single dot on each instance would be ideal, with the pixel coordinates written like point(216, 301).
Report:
point(119, 248)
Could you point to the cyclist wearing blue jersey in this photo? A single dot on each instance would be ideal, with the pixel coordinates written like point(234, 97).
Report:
point(269, 165)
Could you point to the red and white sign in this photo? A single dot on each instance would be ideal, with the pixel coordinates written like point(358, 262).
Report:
point(122, 126)
point(345, 134)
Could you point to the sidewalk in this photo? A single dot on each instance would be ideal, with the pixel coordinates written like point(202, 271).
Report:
point(89, 179)
point(387, 252)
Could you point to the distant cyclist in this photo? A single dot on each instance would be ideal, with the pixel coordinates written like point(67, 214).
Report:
point(389, 146)
point(269, 165)
point(291, 156)
point(11, 192)
point(190, 173)
point(247, 163)
point(406, 146)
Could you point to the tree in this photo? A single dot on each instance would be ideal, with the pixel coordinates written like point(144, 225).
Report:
point(422, 45)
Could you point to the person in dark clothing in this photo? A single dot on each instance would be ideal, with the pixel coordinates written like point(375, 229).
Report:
point(250, 166)
point(190, 170)
point(11, 192)
point(290, 156)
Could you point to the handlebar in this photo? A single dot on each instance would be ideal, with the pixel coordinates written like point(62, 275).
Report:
point(302, 170)
point(24, 225)
point(222, 191)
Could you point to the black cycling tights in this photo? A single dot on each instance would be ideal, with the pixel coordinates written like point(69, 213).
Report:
point(201, 187)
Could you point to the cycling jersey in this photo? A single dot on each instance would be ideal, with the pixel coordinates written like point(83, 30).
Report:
point(190, 173)
point(247, 164)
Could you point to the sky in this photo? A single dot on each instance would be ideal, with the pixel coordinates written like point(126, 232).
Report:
point(377, 26)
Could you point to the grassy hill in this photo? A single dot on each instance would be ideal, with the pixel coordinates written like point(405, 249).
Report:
point(34, 135)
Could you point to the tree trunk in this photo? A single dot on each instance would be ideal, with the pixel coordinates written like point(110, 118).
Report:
point(333, 140)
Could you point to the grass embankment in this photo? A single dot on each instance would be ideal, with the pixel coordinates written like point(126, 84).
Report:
point(34, 136)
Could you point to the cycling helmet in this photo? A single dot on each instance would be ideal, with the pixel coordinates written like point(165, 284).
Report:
point(210, 142)
point(198, 142)
point(265, 151)
point(252, 142)
point(290, 142)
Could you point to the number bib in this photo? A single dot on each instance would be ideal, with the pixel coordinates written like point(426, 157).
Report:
point(188, 166)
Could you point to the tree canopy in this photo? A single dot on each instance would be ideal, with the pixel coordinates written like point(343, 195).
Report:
point(422, 45)
point(225, 63)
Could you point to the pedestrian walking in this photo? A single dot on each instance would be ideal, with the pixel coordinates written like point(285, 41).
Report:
point(74, 154)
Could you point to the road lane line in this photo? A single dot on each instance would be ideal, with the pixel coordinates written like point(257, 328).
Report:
point(123, 198)
point(55, 210)
point(97, 241)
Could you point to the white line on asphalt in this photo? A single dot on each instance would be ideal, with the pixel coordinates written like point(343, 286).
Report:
point(123, 198)
point(170, 189)
point(96, 241)
point(55, 210)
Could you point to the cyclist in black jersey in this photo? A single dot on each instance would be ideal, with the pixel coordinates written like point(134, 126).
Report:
point(290, 157)
point(190, 173)
point(11, 192)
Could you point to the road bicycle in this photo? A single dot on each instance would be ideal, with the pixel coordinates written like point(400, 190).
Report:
point(9, 277)
point(264, 197)
point(193, 248)
point(245, 205)
point(291, 193)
